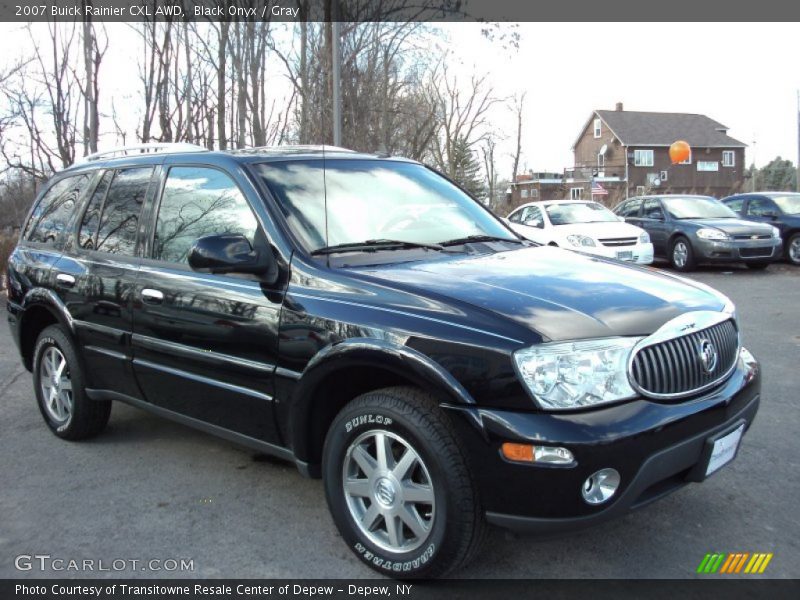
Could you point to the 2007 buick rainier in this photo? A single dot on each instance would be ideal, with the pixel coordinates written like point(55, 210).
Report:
point(366, 319)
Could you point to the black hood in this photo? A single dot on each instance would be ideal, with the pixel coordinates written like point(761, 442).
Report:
point(732, 226)
point(555, 293)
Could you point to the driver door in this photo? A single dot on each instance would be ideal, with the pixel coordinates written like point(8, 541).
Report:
point(205, 345)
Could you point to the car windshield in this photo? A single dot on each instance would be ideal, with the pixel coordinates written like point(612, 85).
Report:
point(697, 208)
point(579, 212)
point(790, 203)
point(371, 201)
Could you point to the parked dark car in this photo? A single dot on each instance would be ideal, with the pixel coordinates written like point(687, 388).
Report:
point(689, 230)
point(366, 319)
point(780, 209)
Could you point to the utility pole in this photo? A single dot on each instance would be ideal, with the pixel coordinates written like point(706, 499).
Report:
point(797, 182)
point(336, 63)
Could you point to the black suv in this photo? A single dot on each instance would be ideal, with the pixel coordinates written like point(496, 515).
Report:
point(366, 319)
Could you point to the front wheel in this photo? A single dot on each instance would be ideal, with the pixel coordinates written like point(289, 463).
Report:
point(793, 249)
point(398, 485)
point(681, 255)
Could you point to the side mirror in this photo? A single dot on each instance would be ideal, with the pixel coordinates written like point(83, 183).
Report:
point(228, 253)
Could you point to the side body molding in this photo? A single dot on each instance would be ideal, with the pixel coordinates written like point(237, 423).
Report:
point(364, 353)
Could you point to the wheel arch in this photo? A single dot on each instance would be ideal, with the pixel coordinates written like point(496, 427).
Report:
point(40, 308)
point(343, 371)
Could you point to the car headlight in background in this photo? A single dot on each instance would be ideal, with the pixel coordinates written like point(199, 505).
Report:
point(712, 234)
point(580, 240)
point(644, 238)
point(776, 233)
point(568, 375)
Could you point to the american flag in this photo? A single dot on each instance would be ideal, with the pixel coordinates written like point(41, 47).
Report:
point(598, 190)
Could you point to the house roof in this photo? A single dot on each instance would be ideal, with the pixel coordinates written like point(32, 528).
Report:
point(635, 128)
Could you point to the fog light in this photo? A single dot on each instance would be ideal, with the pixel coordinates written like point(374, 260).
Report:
point(601, 486)
point(552, 455)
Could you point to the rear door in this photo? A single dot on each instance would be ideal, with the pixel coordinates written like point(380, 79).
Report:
point(205, 345)
point(96, 275)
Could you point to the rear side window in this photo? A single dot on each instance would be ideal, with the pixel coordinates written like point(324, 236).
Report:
point(111, 221)
point(197, 202)
point(52, 213)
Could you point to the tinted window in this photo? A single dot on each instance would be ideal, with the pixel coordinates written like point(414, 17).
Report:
point(652, 210)
point(516, 217)
point(52, 213)
point(87, 236)
point(760, 207)
point(629, 209)
point(198, 202)
point(534, 217)
point(735, 204)
point(119, 220)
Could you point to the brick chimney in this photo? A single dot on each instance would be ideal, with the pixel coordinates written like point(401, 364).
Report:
point(619, 106)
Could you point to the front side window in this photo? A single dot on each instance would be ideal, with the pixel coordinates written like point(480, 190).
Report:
point(119, 219)
point(761, 207)
point(357, 200)
point(52, 213)
point(629, 209)
point(653, 210)
point(643, 158)
point(735, 204)
point(196, 202)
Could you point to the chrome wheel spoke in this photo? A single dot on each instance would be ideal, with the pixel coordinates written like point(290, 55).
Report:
point(364, 461)
point(411, 518)
point(416, 493)
point(357, 487)
point(383, 451)
point(370, 516)
point(65, 385)
point(404, 464)
point(55, 384)
point(394, 530)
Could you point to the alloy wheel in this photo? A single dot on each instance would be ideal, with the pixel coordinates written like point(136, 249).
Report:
point(679, 254)
point(389, 491)
point(56, 385)
point(794, 250)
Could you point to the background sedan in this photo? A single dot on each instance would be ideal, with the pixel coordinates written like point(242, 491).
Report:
point(585, 226)
point(688, 230)
point(781, 209)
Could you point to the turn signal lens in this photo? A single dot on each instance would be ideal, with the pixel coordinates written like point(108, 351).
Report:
point(537, 454)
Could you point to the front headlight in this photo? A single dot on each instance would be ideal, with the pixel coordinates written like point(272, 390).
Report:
point(568, 375)
point(776, 233)
point(580, 240)
point(644, 238)
point(712, 234)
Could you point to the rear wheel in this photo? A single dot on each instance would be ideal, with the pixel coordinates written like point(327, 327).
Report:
point(398, 485)
point(58, 381)
point(681, 255)
point(793, 249)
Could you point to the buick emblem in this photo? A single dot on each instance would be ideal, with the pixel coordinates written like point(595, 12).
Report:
point(708, 356)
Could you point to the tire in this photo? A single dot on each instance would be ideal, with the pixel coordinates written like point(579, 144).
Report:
point(448, 530)
point(681, 255)
point(793, 249)
point(757, 266)
point(68, 412)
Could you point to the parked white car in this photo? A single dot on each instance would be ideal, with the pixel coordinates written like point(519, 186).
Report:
point(584, 226)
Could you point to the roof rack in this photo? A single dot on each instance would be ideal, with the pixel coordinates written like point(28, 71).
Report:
point(289, 149)
point(144, 149)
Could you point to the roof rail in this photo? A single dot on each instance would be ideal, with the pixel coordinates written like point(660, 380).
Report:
point(144, 149)
point(289, 149)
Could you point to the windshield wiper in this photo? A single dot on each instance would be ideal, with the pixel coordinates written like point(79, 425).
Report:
point(478, 238)
point(375, 245)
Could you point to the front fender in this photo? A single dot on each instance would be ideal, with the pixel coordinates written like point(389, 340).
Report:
point(366, 353)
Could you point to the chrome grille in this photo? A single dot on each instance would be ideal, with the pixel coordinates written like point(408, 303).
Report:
point(674, 368)
point(740, 238)
point(615, 242)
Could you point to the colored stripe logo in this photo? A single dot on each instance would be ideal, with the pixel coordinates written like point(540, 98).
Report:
point(734, 563)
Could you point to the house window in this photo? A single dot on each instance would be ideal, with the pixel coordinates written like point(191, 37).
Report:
point(534, 193)
point(601, 160)
point(598, 128)
point(707, 165)
point(728, 158)
point(524, 193)
point(575, 193)
point(688, 161)
point(643, 158)
point(664, 175)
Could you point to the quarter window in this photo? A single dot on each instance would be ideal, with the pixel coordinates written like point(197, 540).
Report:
point(87, 236)
point(643, 158)
point(119, 218)
point(52, 213)
point(629, 209)
point(198, 201)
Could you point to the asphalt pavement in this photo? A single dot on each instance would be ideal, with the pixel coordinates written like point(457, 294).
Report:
point(148, 489)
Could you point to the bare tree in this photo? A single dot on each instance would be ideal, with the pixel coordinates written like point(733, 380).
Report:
point(519, 104)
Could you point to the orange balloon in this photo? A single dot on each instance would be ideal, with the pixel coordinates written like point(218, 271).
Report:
point(679, 152)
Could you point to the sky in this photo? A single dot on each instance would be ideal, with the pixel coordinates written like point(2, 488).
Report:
point(744, 75)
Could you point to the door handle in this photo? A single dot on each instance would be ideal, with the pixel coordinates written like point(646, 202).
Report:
point(152, 296)
point(65, 279)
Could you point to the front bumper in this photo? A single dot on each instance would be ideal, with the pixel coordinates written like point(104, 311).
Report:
point(739, 250)
point(640, 254)
point(656, 447)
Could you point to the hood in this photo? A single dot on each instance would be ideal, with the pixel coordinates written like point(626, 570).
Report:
point(610, 229)
point(557, 294)
point(732, 226)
